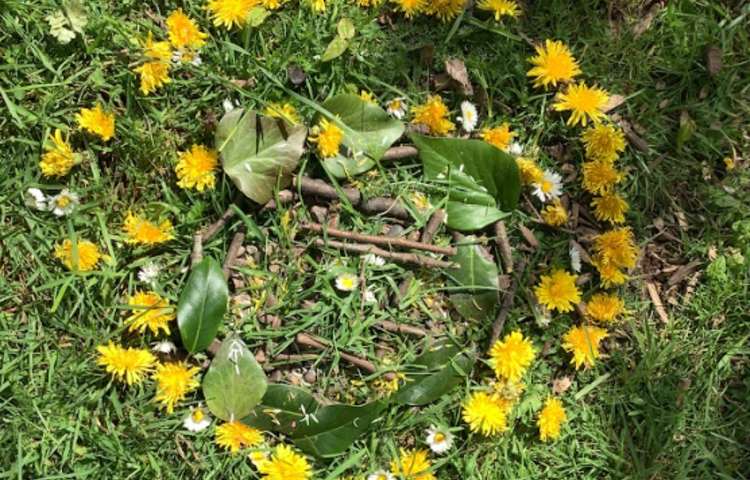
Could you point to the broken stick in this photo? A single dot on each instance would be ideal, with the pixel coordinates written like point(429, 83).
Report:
point(413, 258)
point(508, 299)
point(360, 362)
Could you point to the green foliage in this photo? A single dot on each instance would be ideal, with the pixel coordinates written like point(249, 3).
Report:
point(477, 276)
point(202, 305)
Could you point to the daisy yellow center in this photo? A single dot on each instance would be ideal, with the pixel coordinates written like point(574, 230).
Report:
point(347, 282)
point(546, 186)
point(395, 105)
point(63, 202)
point(439, 438)
point(198, 415)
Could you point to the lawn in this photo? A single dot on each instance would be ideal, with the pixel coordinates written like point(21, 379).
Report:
point(669, 397)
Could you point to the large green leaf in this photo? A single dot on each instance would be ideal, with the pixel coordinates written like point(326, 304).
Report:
point(282, 409)
point(235, 382)
point(368, 133)
point(435, 372)
point(259, 153)
point(202, 305)
point(478, 275)
point(475, 173)
point(333, 429)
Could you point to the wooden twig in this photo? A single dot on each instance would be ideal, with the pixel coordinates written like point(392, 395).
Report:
point(396, 242)
point(432, 226)
point(197, 254)
point(413, 258)
point(234, 247)
point(360, 362)
point(656, 299)
point(319, 188)
point(402, 290)
point(385, 206)
point(218, 224)
point(400, 152)
point(528, 235)
point(501, 238)
point(398, 328)
point(508, 299)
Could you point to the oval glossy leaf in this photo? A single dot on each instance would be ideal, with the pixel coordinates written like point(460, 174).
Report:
point(467, 217)
point(282, 409)
point(235, 382)
point(368, 133)
point(202, 305)
point(472, 165)
point(435, 373)
point(259, 153)
point(333, 429)
point(345, 28)
point(478, 275)
point(335, 49)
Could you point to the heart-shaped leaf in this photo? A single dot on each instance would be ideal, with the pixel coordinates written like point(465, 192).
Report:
point(333, 429)
point(467, 217)
point(335, 49)
point(436, 372)
point(235, 382)
point(259, 153)
point(202, 305)
point(282, 409)
point(474, 171)
point(345, 28)
point(368, 133)
point(477, 274)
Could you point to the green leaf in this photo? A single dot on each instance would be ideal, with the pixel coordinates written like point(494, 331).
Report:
point(368, 133)
point(345, 28)
point(281, 409)
point(335, 49)
point(259, 153)
point(437, 371)
point(686, 131)
point(256, 16)
point(471, 168)
point(466, 217)
point(478, 277)
point(235, 382)
point(202, 305)
point(333, 429)
point(76, 14)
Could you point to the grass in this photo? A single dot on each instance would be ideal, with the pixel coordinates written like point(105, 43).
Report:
point(672, 400)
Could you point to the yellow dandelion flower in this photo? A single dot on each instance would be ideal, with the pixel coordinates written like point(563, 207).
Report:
point(129, 364)
point(583, 343)
point(444, 9)
point(500, 8)
point(584, 103)
point(603, 142)
point(368, 97)
point(617, 247)
point(529, 170)
point(229, 13)
point(97, 122)
point(140, 231)
point(318, 5)
point(272, 4)
point(58, 158)
point(412, 464)
point(369, 3)
point(499, 136)
point(88, 255)
point(610, 274)
point(485, 414)
point(287, 112)
point(606, 307)
point(550, 419)
point(234, 436)
point(433, 114)
point(196, 168)
point(410, 8)
point(420, 200)
point(154, 73)
point(553, 64)
point(174, 380)
point(610, 207)
point(183, 31)
point(600, 176)
point(327, 135)
point(729, 162)
point(285, 464)
point(555, 215)
point(558, 291)
point(150, 311)
point(511, 356)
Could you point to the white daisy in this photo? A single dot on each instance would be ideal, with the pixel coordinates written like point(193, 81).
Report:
point(396, 108)
point(164, 346)
point(381, 475)
point(197, 420)
point(36, 199)
point(196, 61)
point(575, 259)
point(258, 456)
point(63, 203)
point(515, 149)
point(550, 188)
point(370, 296)
point(346, 282)
point(439, 439)
point(469, 116)
point(373, 259)
point(149, 273)
point(228, 105)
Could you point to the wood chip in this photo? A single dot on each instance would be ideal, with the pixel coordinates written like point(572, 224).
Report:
point(456, 69)
point(528, 235)
point(682, 272)
point(656, 299)
point(714, 62)
point(613, 102)
point(561, 385)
